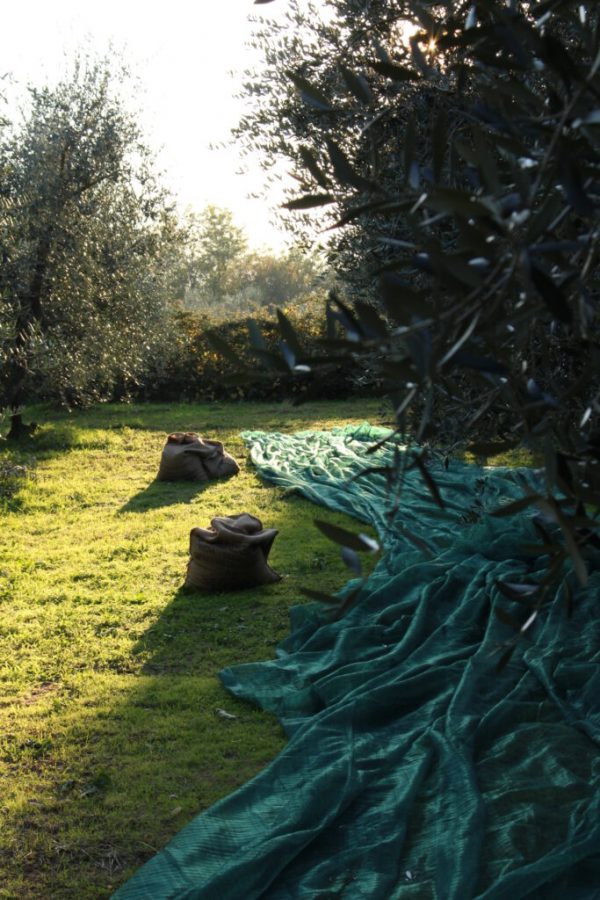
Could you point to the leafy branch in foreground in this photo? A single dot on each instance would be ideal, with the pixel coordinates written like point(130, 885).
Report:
point(464, 169)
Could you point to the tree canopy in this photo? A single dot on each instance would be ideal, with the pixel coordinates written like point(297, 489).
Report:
point(85, 234)
point(454, 146)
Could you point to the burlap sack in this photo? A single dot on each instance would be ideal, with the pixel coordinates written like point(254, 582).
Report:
point(231, 554)
point(188, 457)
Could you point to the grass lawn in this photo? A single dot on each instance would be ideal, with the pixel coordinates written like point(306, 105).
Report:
point(110, 740)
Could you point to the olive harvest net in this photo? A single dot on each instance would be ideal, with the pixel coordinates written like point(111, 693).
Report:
point(414, 767)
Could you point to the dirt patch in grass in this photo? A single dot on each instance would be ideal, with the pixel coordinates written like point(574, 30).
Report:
point(39, 692)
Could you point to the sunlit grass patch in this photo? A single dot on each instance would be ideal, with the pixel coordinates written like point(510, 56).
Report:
point(110, 740)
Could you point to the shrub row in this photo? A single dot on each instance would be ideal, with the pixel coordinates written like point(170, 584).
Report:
point(190, 368)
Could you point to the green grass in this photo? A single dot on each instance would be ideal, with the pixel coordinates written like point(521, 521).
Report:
point(109, 736)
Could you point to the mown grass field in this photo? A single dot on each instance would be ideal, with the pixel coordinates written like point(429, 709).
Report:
point(110, 740)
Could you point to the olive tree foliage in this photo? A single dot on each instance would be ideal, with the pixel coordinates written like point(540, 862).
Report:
point(86, 236)
point(310, 48)
point(459, 160)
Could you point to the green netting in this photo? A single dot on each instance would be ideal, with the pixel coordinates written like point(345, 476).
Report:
point(414, 769)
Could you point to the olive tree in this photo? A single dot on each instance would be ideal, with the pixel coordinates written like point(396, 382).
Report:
point(85, 232)
point(456, 145)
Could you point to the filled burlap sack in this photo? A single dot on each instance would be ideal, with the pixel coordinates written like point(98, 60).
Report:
point(231, 554)
point(188, 457)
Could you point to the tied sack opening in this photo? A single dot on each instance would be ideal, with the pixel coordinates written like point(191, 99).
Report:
point(231, 554)
point(188, 457)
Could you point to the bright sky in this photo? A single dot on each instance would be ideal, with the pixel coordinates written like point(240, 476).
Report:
point(182, 52)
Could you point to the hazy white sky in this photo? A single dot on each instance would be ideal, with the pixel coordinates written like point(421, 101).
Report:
point(182, 52)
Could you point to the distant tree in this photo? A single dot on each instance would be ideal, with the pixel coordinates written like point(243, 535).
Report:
point(217, 272)
point(214, 259)
point(85, 234)
point(284, 279)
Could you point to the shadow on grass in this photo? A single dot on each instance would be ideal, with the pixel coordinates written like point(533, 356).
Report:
point(17, 467)
point(167, 493)
point(138, 758)
point(132, 746)
point(198, 629)
point(164, 493)
point(59, 430)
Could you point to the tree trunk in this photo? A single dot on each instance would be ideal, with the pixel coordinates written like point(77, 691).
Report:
point(16, 427)
point(29, 315)
point(19, 429)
